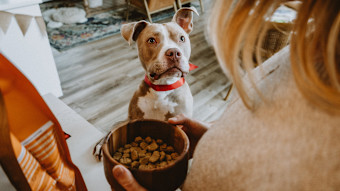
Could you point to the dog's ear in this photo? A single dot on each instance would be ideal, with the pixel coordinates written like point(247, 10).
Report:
point(131, 31)
point(183, 18)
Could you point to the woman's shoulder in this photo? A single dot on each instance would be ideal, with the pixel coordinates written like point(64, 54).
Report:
point(277, 93)
point(271, 71)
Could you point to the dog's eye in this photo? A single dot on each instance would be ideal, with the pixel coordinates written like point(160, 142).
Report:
point(182, 38)
point(151, 40)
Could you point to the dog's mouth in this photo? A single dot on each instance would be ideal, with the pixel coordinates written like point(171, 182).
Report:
point(171, 72)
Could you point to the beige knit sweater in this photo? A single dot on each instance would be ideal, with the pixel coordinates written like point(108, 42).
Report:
point(285, 144)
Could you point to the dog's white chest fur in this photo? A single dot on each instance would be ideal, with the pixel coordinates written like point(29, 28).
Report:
point(156, 104)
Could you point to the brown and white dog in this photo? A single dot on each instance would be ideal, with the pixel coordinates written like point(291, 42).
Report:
point(164, 51)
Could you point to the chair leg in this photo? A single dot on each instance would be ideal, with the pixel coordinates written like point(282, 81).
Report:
point(228, 92)
point(202, 8)
point(175, 6)
point(147, 10)
point(127, 9)
point(179, 3)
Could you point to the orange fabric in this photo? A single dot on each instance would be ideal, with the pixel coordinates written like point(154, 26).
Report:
point(24, 117)
point(42, 145)
point(33, 124)
point(36, 176)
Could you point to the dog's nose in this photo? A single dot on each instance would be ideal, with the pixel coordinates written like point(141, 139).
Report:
point(173, 54)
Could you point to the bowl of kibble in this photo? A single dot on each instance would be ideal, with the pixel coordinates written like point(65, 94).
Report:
point(155, 152)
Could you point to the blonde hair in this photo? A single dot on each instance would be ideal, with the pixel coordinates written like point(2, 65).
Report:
point(315, 53)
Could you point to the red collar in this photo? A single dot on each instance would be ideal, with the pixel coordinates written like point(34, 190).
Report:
point(173, 86)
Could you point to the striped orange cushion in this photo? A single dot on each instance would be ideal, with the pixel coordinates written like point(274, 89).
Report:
point(36, 176)
point(40, 160)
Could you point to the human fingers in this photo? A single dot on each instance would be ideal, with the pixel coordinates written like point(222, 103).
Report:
point(178, 119)
point(126, 179)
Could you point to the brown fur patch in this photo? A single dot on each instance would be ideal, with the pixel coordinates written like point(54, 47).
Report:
point(134, 111)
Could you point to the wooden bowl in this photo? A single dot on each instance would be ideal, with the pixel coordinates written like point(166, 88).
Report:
point(169, 177)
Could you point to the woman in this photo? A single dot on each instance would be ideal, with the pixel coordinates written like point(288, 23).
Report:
point(281, 129)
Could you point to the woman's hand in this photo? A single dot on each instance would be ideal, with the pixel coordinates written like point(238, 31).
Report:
point(193, 128)
point(126, 179)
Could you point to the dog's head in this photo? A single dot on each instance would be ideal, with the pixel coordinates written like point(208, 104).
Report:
point(163, 49)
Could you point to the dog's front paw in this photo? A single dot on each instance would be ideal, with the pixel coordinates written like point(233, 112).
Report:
point(97, 150)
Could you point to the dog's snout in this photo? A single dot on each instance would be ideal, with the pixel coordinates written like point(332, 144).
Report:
point(173, 54)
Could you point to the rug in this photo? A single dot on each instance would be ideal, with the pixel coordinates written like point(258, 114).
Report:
point(97, 27)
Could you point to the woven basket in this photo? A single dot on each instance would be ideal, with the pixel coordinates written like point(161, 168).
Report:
point(276, 38)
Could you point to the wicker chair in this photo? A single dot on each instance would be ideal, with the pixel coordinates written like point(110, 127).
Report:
point(150, 7)
point(181, 2)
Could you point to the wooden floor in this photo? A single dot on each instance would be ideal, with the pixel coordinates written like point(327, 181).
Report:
point(99, 78)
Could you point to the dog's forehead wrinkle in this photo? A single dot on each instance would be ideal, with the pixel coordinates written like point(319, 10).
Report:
point(155, 27)
point(163, 30)
point(152, 30)
point(156, 33)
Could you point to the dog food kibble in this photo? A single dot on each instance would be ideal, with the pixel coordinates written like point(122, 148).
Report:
point(121, 150)
point(162, 147)
point(138, 139)
point(146, 153)
point(135, 164)
point(163, 163)
point(125, 160)
point(168, 157)
point(154, 157)
point(126, 151)
point(159, 141)
point(126, 155)
point(127, 146)
point(134, 155)
point(117, 156)
point(142, 153)
point(143, 145)
point(174, 155)
point(152, 147)
point(148, 140)
point(162, 156)
point(143, 167)
point(144, 160)
point(169, 149)
point(134, 144)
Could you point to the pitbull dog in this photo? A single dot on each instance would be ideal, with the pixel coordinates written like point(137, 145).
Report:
point(164, 51)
